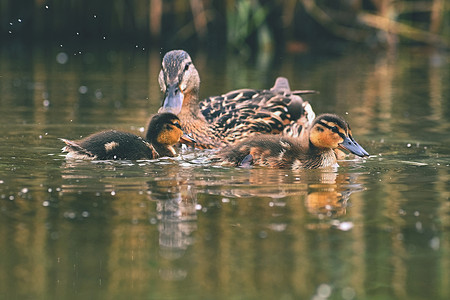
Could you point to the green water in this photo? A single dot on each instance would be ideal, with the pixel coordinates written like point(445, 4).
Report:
point(183, 229)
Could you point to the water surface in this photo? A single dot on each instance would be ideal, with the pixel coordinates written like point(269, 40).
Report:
point(182, 228)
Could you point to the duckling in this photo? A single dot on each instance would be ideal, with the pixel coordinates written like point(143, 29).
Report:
point(221, 120)
point(164, 131)
point(313, 149)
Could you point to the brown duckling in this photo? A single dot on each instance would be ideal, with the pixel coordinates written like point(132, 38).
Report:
point(313, 149)
point(164, 131)
point(222, 120)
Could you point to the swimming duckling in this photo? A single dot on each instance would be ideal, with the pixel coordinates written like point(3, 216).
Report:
point(164, 131)
point(222, 120)
point(313, 149)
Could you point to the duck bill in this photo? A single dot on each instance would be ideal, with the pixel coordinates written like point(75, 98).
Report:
point(173, 100)
point(186, 139)
point(351, 145)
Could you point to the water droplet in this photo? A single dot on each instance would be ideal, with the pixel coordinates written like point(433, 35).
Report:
point(24, 190)
point(19, 20)
point(62, 58)
point(46, 103)
point(408, 145)
point(198, 207)
point(419, 226)
point(278, 227)
point(345, 226)
point(45, 203)
point(70, 215)
point(83, 89)
point(113, 193)
point(262, 234)
point(225, 200)
point(98, 94)
point(46, 7)
point(85, 214)
point(324, 290)
point(435, 243)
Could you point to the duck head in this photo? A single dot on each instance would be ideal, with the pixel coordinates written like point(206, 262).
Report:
point(165, 129)
point(179, 80)
point(330, 131)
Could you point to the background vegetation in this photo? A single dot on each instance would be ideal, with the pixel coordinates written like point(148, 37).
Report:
point(240, 25)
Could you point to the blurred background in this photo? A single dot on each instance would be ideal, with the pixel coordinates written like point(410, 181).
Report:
point(237, 25)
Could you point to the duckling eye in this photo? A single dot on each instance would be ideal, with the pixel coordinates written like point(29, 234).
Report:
point(335, 129)
point(187, 66)
point(176, 124)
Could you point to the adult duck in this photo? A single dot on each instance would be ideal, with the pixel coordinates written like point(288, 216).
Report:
point(221, 120)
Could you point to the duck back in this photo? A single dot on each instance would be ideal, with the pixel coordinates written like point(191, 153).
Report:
point(112, 144)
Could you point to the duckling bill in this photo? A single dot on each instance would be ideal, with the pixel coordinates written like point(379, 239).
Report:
point(314, 149)
point(164, 131)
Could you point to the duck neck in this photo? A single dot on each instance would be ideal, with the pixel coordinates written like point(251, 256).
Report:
point(194, 123)
point(320, 157)
point(190, 103)
point(191, 110)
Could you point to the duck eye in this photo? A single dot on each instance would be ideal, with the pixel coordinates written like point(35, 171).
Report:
point(176, 124)
point(187, 66)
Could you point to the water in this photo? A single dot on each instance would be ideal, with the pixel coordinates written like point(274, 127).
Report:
point(181, 228)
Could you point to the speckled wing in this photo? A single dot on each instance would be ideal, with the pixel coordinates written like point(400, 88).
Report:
point(244, 112)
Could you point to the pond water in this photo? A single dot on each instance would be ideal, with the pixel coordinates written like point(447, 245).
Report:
point(181, 228)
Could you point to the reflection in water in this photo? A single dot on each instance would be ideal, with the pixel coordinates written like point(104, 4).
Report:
point(176, 212)
point(325, 192)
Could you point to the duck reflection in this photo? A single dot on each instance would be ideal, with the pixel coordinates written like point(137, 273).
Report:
point(325, 192)
point(176, 214)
